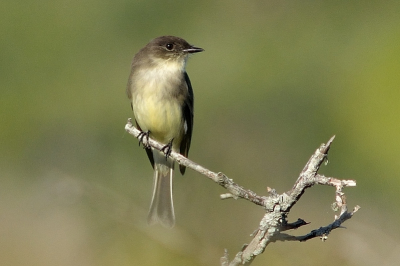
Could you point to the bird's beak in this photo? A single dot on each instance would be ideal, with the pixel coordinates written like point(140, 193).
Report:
point(193, 50)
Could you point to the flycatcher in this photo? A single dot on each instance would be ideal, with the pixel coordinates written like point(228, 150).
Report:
point(162, 101)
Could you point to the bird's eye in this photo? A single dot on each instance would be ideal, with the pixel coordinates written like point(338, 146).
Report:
point(169, 46)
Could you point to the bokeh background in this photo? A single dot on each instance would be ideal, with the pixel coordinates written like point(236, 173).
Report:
point(277, 79)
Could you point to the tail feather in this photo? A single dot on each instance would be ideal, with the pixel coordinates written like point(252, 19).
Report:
point(162, 206)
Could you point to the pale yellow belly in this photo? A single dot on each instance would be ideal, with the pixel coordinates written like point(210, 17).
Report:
point(162, 117)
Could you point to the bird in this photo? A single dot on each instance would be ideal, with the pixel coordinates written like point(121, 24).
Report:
point(162, 101)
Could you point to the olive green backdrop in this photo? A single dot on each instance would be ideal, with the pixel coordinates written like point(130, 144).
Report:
point(277, 79)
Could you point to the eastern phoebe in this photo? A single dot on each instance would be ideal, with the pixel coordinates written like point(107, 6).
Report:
point(162, 101)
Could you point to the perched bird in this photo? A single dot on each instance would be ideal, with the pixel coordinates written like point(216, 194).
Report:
point(162, 101)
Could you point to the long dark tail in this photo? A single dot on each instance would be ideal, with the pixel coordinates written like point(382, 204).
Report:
point(162, 206)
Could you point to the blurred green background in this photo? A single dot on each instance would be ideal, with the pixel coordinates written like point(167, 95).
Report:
point(277, 79)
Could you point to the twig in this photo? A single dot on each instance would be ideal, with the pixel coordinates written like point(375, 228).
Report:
point(235, 191)
point(277, 206)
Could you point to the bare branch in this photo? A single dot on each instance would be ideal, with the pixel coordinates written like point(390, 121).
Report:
point(235, 190)
point(277, 206)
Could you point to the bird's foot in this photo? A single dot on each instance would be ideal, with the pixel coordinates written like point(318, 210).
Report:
point(143, 135)
point(167, 149)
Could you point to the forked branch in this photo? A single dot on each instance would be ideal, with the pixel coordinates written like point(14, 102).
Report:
point(276, 206)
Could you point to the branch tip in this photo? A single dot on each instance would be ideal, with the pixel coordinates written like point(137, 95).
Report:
point(327, 146)
point(227, 196)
